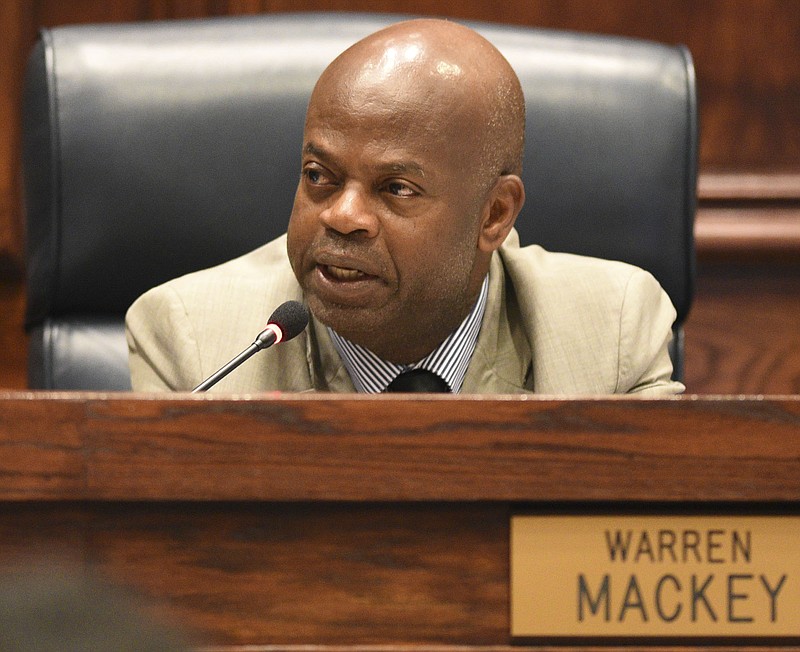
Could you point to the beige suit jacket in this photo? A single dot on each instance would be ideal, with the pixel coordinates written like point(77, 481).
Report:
point(554, 324)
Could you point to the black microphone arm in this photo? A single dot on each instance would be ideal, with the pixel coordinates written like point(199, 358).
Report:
point(288, 321)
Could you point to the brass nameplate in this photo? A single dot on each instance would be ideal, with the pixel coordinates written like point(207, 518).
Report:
point(613, 577)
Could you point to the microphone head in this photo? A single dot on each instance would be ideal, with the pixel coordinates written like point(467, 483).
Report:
point(291, 318)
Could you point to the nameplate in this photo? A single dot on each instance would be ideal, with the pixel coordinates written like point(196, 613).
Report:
point(612, 578)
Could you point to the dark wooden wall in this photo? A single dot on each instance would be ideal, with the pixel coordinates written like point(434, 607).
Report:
point(743, 335)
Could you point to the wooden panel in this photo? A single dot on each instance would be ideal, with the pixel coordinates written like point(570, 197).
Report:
point(48, 460)
point(332, 573)
point(13, 341)
point(14, 45)
point(743, 333)
point(392, 448)
point(47, 13)
point(267, 523)
point(40, 533)
point(310, 578)
point(13, 49)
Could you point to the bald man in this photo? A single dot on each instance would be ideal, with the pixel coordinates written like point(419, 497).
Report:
point(401, 243)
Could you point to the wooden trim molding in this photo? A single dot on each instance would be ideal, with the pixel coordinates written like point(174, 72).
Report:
point(747, 217)
point(748, 235)
point(749, 186)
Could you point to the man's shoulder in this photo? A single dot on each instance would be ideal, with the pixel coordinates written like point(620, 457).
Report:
point(535, 268)
point(594, 326)
point(570, 292)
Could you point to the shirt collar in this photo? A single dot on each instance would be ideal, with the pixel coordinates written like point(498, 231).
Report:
point(371, 374)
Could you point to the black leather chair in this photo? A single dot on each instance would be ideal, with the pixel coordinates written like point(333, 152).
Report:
point(154, 149)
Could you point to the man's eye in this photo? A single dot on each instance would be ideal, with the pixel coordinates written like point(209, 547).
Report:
point(400, 189)
point(316, 177)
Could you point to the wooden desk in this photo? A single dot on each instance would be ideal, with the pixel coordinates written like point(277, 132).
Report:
point(345, 522)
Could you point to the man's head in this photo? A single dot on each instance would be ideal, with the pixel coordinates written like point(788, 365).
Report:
point(411, 158)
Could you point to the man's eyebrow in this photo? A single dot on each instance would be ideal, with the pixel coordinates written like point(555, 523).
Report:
point(311, 148)
point(395, 167)
point(403, 167)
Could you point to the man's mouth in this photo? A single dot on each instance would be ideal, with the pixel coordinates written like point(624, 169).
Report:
point(343, 273)
point(344, 285)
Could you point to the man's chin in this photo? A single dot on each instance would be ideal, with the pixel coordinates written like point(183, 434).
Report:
point(343, 318)
point(374, 329)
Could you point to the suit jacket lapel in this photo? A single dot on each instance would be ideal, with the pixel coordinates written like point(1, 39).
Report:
point(501, 363)
point(326, 368)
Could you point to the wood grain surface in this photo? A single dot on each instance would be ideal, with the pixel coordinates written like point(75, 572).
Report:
point(371, 523)
point(345, 448)
point(743, 333)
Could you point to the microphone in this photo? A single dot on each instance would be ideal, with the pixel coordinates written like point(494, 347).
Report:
point(288, 321)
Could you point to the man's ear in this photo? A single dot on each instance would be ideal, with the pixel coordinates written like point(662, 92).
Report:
point(500, 211)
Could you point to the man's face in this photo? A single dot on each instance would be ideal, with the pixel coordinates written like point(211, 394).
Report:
point(384, 230)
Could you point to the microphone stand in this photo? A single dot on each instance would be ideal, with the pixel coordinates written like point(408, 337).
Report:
point(265, 339)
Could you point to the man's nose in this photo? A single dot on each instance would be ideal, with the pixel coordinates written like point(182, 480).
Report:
point(350, 212)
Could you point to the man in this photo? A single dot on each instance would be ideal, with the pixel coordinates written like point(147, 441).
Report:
point(401, 243)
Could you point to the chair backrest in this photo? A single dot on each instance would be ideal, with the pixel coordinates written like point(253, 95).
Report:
point(154, 149)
